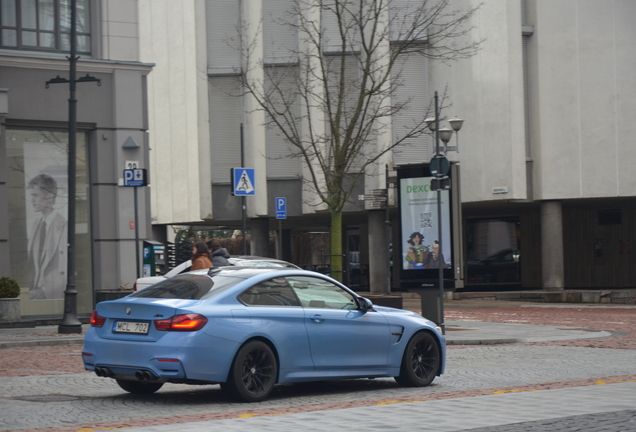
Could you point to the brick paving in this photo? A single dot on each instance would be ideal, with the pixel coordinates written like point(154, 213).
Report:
point(66, 360)
point(54, 360)
point(621, 320)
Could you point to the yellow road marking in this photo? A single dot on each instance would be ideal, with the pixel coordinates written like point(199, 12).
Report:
point(99, 429)
point(513, 391)
point(395, 402)
point(248, 415)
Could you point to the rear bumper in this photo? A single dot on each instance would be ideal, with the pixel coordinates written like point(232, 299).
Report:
point(176, 356)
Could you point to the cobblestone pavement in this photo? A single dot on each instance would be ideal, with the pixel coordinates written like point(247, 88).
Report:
point(609, 421)
point(46, 388)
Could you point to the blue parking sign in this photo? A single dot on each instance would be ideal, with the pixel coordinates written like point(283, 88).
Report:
point(281, 208)
point(135, 177)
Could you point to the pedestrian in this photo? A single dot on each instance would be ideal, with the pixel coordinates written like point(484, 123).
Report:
point(218, 254)
point(200, 258)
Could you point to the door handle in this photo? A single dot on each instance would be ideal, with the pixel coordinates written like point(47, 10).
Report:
point(316, 318)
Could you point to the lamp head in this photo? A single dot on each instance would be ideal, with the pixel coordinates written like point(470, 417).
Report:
point(445, 134)
point(456, 123)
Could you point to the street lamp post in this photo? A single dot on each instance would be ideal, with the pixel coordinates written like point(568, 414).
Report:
point(444, 134)
point(70, 323)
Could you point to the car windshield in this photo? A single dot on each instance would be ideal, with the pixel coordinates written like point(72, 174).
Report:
point(194, 287)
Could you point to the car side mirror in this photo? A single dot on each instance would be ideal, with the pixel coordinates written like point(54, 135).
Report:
point(364, 304)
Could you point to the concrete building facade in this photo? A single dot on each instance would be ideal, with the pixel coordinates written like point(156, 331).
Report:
point(112, 126)
point(547, 188)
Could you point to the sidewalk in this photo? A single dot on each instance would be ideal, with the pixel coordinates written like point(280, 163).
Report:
point(601, 407)
point(457, 333)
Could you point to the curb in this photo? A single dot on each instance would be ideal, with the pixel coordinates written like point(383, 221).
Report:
point(42, 342)
point(482, 341)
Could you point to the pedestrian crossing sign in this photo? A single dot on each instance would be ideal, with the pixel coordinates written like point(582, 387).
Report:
point(243, 181)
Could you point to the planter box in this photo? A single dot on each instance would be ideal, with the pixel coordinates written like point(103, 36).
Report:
point(10, 309)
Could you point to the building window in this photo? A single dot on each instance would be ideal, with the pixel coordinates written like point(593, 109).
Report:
point(43, 25)
point(493, 251)
point(610, 217)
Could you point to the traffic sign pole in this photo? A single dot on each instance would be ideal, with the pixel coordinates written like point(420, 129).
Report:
point(137, 234)
point(279, 252)
point(135, 178)
point(280, 205)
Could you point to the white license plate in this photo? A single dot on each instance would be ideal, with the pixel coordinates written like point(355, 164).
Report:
point(130, 327)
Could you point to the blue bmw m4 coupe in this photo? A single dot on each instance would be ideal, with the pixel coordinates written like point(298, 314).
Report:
point(250, 328)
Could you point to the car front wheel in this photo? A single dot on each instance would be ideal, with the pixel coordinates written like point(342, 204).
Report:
point(421, 361)
point(253, 374)
point(138, 387)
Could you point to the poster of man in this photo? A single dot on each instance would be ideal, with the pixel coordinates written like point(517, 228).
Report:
point(47, 242)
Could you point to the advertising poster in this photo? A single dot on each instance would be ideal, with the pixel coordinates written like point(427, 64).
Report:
point(420, 235)
point(46, 190)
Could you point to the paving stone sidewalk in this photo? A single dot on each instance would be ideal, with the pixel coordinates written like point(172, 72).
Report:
point(529, 411)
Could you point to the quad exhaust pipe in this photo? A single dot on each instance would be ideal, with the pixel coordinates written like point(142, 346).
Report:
point(103, 372)
point(144, 375)
point(141, 375)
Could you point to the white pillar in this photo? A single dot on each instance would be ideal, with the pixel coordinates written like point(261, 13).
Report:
point(375, 174)
point(254, 131)
point(311, 106)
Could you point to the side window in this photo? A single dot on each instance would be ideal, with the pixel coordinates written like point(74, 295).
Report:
point(272, 292)
point(319, 293)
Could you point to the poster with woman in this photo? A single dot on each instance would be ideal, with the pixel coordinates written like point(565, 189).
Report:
point(418, 208)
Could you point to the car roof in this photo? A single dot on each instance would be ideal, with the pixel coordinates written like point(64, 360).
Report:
point(252, 260)
point(242, 272)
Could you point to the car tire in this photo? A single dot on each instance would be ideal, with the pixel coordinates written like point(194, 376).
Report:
point(138, 387)
point(253, 373)
point(421, 361)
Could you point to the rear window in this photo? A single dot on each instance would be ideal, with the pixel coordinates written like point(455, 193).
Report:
point(189, 287)
point(178, 287)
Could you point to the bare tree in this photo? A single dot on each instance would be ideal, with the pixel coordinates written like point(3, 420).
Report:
point(332, 102)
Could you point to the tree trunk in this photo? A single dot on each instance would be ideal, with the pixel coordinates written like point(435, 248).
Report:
point(336, 245)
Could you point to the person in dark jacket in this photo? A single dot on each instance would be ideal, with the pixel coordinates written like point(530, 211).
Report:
point(218, 254)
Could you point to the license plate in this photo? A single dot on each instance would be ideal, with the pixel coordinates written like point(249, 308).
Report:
point(130, 327)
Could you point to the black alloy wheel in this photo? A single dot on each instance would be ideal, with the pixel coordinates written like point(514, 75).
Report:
point(253, 374)
point(421, 361)
point(138, 387)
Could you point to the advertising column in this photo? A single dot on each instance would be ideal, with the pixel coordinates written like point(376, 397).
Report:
point(418, 208)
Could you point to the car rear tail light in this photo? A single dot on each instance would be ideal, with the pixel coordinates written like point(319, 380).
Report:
point(187, 322)
point(135, 286)
point(97, 320)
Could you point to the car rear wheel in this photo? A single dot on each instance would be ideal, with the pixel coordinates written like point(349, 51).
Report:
point(253, 374)
point(421, 361)
point(138, 387)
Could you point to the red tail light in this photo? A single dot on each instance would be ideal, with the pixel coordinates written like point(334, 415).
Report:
point(135, 286)
point(97, 320)
point(187, 322)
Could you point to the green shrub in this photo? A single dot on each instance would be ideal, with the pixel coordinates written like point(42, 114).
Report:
point(9, 288)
